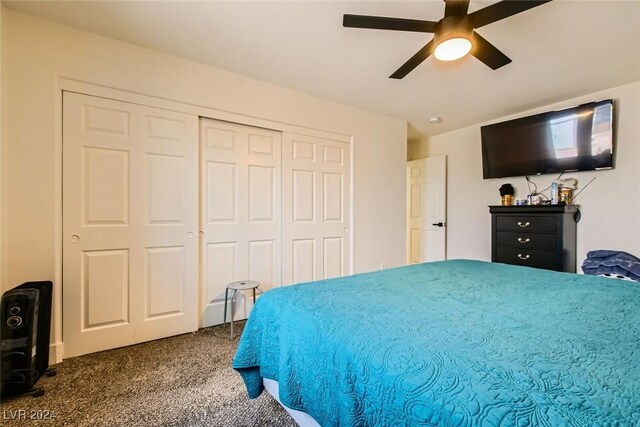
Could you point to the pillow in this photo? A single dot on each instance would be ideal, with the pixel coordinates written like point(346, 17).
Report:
point(612, 263)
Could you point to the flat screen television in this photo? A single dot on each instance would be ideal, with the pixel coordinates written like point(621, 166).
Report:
point(574, 139)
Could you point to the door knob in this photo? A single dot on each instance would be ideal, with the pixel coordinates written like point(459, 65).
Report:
point(439, 224)
point(74, 238)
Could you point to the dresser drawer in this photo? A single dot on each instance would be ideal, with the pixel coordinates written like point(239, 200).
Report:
point(526, 223)
point(529, 257)
point(524, 240)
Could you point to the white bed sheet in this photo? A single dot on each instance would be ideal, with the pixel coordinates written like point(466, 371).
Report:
point(302, 418)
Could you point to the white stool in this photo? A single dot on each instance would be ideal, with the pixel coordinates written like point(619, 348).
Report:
point(240, 285)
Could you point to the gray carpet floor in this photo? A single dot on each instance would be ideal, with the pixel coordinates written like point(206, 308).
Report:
point(185, 380)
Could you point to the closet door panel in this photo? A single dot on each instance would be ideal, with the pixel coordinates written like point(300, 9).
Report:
point(105, 286)
point(164, 267)
point(315, 208)
point(240, 212)
point(129, 223)
point(169, 211)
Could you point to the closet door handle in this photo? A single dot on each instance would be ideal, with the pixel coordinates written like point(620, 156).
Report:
point(524, 256)
point(521, 240)
point(523, 225)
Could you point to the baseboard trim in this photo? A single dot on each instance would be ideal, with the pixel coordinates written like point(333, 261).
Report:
point(56, 351)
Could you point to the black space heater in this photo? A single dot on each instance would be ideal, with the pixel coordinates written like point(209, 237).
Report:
point(24, 350)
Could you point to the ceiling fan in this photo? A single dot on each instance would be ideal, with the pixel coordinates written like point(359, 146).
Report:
point(454, 35)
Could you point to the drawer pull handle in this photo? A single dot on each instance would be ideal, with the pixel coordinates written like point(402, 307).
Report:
point(521, 240)
point(524, 256)
point(526, 224)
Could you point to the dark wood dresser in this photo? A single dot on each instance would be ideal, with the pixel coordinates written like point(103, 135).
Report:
point(536, 236)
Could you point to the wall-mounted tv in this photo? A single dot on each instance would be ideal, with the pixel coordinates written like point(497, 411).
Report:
point(573, 139)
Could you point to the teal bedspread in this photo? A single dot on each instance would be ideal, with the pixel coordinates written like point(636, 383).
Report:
point(453, 343)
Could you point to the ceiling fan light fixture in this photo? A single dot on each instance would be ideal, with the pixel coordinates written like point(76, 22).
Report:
point(453, 38)
point(453, 48)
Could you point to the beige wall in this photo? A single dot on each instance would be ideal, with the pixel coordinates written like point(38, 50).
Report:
point(610, 205)
point(37, 52)
point(416, 149)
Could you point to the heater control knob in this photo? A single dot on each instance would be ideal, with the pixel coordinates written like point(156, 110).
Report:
point(14, 321)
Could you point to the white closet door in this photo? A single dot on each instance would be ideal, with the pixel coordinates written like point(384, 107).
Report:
point(129, 223)
point(315, 212)
point(240, 212)
point(426, 209)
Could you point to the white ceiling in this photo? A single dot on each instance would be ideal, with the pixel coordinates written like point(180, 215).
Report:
point(560, 50)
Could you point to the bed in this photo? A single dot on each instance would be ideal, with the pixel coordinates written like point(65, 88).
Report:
point(452, 343)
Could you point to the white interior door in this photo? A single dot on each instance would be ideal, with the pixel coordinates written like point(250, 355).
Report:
point(240, 212)
point(426, 209)
point(315, 208)
point(129, 223)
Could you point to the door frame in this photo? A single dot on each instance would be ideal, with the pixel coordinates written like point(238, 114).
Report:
point(64, 84)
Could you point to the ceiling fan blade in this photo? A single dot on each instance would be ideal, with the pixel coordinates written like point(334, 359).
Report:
point(414, 61)
point(456, 7)
point(488, 53)
point(383, 23)
point(501, 10)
